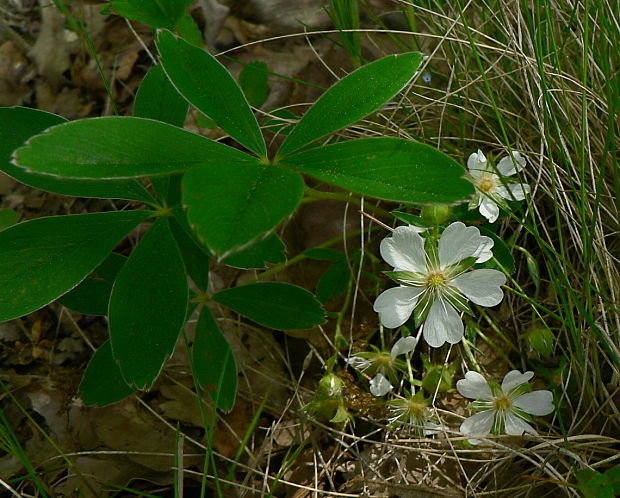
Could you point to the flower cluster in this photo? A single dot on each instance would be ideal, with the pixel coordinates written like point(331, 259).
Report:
point(435, 280)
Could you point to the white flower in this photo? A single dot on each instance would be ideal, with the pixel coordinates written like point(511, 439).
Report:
point(435, 281)
point(505, 408)
point(413, 410)
point(379, 385)
point(382, 364)
point(491, 187)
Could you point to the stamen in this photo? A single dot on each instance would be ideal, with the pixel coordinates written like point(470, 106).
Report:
point(435, 280)
point(487, 184)
point(503, 404)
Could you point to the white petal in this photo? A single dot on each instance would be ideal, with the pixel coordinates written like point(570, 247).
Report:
point(476, 163)
point(516, 426)
point(489, 209)
point(443, 324)
point(432, 428)
point(474, 386)
point(506, 165)
point(514, 191)
point(395, 305)
point(481, 286)
point(479, 424)
point(515, 378)
point(380, 386)
point(403, 345)
point(359, 363)
point(535, 403)
point(484, 252)
point(404, 250)
point(459, 242)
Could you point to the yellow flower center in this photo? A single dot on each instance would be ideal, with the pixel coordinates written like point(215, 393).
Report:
point(503, 404)
point(416, 410)
point(435, 280)
point(487, 184)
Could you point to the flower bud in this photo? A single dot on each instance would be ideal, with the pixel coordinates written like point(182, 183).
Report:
point(541, 340)
point(436, 214)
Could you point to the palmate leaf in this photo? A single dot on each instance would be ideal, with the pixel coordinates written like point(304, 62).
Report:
point(268, 250)
point(120, 147)
point(255, 83)
point(275, 305)
point(42, 259)
point(92, 296)
point(18, 124)
point(159, 13)
point(195, 256)
point(148, 306)
point(102, 383)
point(213, 362)
point(209, 87)
point(387, 168)
point(257, 197)
point(353, 98)
point(8, 217)
point(158, 99)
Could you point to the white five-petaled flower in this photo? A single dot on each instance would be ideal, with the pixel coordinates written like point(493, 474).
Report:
point(414, 411)
point(491, 189)
point(435, 281)
point(382, 364)
point(505, 408)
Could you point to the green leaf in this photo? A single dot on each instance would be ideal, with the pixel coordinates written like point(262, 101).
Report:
point(92, 296)
point(388, 168)
point(42, 259)
point(354, 97)
point(214, 362)
point(268, 250)
point(594, 484)
point(325, 254)
point(257, 197)
point(195, 257)
point(159, 13)
point(157, 99)
point(148, 306)
point(613, 478)
point(8, 217)
point(532, 266)
point(209, 87)
point(254, 82)
point(500, 252)
point(18, 124)
point(189, 30)
point(103, 383)
point(410, 219)
point(334, 281)
point(275, 305)
point(120, 147)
